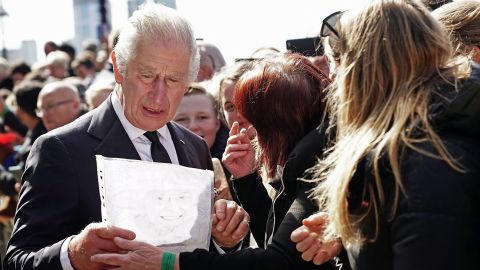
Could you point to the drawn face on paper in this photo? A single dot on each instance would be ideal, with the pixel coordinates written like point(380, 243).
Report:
point(173, 210)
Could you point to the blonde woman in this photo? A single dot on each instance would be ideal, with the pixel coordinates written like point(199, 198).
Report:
point(400, 188)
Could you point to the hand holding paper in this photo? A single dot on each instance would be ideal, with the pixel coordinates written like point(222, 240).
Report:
point(95, 238)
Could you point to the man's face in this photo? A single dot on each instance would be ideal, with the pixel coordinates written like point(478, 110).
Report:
point(58, 108)
point(154, 83)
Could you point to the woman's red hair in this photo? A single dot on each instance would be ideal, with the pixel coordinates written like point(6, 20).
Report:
point(283, 98)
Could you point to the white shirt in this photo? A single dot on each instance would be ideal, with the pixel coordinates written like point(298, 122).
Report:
point(141, 144)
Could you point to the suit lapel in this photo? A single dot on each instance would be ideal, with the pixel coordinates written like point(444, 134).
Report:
point(183, 152)
point(107, 127)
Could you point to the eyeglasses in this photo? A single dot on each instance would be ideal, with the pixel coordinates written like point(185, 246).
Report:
point(328, 24)
point(49, 107)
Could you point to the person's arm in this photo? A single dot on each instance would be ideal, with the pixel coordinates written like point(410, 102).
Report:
point(253, 196)
point(47, 214)
point(279, 255)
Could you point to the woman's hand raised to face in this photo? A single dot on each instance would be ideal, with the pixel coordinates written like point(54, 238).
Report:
point(239, 155)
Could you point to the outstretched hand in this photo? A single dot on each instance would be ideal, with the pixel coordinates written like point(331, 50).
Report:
point(309, 239)
point(230, 223)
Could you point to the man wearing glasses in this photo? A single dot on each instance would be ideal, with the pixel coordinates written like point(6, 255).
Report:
point(58, 104)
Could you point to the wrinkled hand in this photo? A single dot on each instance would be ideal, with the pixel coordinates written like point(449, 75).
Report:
point(309, 240)
point(139, 255)
point(95, 238)
point(230, 223)
point(239, 155)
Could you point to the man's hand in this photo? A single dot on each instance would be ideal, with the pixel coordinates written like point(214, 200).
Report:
point(310, 241)
point(95, 238)
point(138, 256)
point(230, 223)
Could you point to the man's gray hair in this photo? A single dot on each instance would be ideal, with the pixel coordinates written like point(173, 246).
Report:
point(156, 22)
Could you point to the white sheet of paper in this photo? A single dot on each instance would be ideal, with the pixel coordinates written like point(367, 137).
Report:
point(164, 204)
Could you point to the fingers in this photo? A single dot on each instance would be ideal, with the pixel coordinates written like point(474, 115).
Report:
point(235, 129)
point(318, 219)
point(234, 147)
point(128, 244)
point(299, 234)
point(327, 252)
point(220, 209)
point(251, 132)
point(320, 258)
point(109, 232)
point(214, 220)
point(231, 157)
point(242, 229)
point(306, 243)
point(240, 138)
point(231, 208)
point(236, 219)
point(313, 249)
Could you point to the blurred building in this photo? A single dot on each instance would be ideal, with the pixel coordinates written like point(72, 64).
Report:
point(27, 52)
point(88, 23)
point(133, 4)
point(88, 17)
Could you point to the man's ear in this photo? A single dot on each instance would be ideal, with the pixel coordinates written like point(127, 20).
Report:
point(118, 76)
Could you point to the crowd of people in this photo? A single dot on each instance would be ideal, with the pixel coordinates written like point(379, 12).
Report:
point(366, 157)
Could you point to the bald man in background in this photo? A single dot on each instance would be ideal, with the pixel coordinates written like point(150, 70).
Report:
point(58, 104)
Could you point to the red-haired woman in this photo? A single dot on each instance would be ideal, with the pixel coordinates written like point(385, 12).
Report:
point(283, 99)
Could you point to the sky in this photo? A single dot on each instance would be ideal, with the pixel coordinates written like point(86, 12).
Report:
point(237, 27)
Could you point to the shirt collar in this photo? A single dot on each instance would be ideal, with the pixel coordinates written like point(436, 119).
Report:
point(132, 131)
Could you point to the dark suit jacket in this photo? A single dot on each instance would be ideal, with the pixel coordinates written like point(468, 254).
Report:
point(60, 194)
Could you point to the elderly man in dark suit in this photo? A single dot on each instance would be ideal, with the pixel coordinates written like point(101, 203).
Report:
point(154, 61)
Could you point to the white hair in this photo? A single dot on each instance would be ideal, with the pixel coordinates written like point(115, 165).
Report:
point(156, 22)
point(57, 58)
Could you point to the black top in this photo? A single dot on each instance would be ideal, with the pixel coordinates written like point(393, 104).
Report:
point(437, 220)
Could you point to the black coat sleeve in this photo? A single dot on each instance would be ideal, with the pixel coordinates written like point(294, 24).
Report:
point(254, 198)
point(45, 206)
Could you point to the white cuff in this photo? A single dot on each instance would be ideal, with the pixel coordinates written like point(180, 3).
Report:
point(64, 260)
point(221, 251)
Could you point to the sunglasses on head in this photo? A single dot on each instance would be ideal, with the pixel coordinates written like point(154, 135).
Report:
point(328, 24)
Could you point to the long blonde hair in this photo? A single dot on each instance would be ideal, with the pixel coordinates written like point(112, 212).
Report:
point(461, 21)
point(391, 55)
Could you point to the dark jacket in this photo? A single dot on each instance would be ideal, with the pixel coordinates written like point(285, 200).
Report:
point(218, 147)
point(291, 207)
point(437, 220)
point(59, 196)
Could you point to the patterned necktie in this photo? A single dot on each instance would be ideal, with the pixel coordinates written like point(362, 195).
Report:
point(159, 153)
